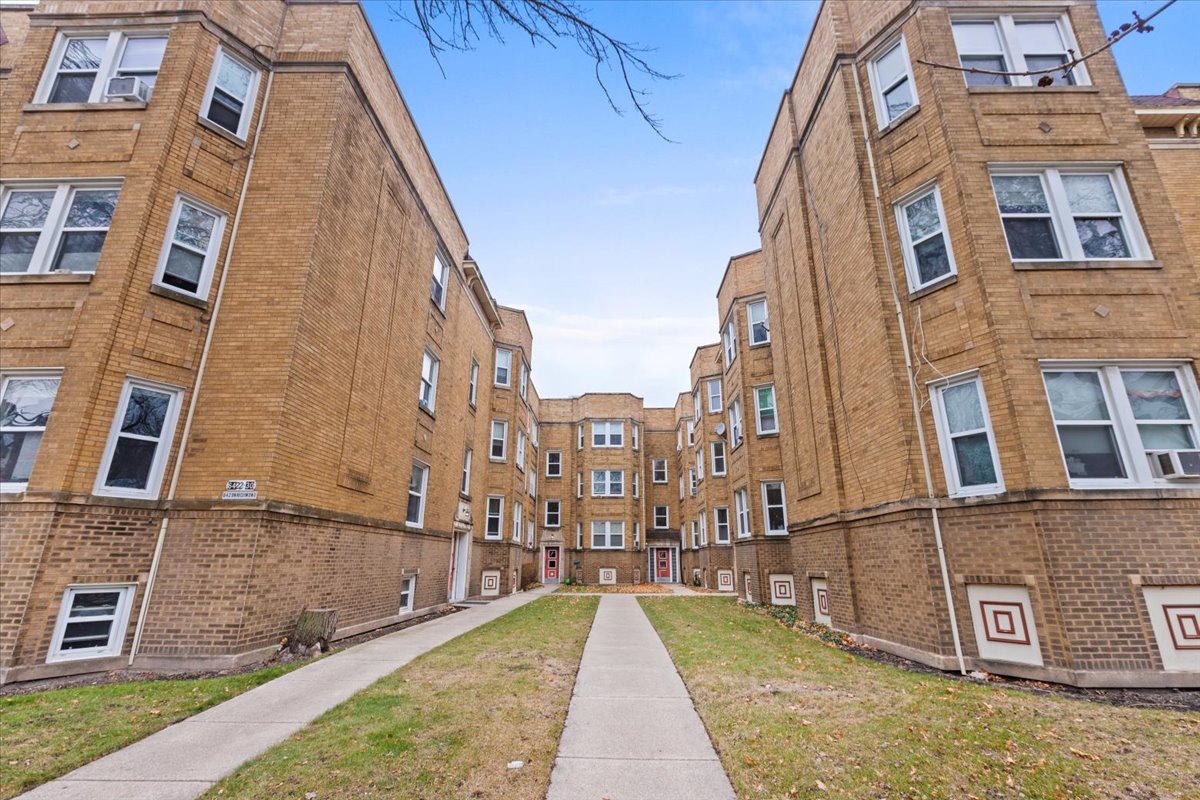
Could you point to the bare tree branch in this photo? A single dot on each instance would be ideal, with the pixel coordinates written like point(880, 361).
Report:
point(456, 24)
point(1137, 26)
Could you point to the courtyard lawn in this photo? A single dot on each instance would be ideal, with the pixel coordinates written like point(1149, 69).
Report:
point(46, 734)
point(447, 725)
point(794, 717)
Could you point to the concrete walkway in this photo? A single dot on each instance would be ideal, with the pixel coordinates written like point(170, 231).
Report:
point(182, 761)
point(632, 732)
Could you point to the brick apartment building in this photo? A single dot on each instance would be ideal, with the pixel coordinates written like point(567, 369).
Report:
point(228, 258)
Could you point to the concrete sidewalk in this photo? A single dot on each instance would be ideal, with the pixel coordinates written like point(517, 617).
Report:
point(632, 732)
point(182, 761)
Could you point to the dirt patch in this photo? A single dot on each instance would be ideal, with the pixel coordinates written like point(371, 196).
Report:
point(1170, 699)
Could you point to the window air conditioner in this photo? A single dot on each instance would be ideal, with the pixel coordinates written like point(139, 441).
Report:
point(128, 87)
point(1177, 464)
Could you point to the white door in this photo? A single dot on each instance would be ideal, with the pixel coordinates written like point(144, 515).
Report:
point(460, 565)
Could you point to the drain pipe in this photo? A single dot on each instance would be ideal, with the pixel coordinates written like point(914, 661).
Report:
point(191, 413)
point(912, 383)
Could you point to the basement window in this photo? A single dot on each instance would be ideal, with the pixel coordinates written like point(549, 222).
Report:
point(408, 593)
point(189, 254)
point(81, 65)
point(54, 228)
point(25, 404)
point(229, 98)
point(91, 622)
point(136, 454)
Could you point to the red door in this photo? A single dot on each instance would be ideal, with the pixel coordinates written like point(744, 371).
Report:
point(551, 563)
point(662, 566)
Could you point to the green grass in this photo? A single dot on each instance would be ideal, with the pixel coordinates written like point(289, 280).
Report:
point(795, 717)
point(446, 725)
point(46, 734)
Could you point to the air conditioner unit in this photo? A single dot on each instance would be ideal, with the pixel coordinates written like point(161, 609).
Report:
point(1177, 465)
point(127, 87)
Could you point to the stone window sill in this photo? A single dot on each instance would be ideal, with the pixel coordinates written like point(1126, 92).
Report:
point(182, 297)
point(1032, 89)
point(46, 277)
point(946, 280)
point(115, 105)
point(217, 129)
point(1115, 264)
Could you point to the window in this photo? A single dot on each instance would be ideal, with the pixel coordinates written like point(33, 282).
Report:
point(681, 493)
point(553, 513)
point(418, 482)
point(691, 482)
point(494, 527)
point(190, 250)
point(633, 429)
point(741, 506)
point(408, 592)
point(529, 533)
point(714, 396)
point(578, 535)
point(1007, 44)
point(553, 464)
point(579, 436)
point(140, 439)
point(230, 95)
point(427, 397)
point(524, 380)
point(928, 257)
point(54, 228)
point(637, 536)
point(534, 431)
point(608, 483)
point(1074, 213)
point(608, 434)
point(80, 66)
point(532, 483)
point(721, 524)
point(91, 622)
point(718, 458)
point(699, 464)
point(637, 484)
point(441, 273)
point(691, 429)
point(764, 410)
point(608, 535)
point(773, 508)
point(892, 84)
point(25, 403)
point(735, 422)
point(499, 440)
point(679, 437)
point(696, 405)
point(729, 339)
point(466, 476)
point(503, 367)
point(703, 529)
point(1109, 417)
point(756, 321)
point(473, 386)
point(659, 470)
point(516, 535)
point(695, 536)
point(520, 450)
point(965, 437)
point(579, 484)
point(662, 516)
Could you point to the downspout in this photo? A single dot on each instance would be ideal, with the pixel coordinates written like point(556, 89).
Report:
point(191, 413)
point(912, 383)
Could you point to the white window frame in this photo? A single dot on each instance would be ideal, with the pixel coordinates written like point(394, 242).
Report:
point(699, 463)
point(517, 510)
point(703, 528)
point(162, 452)
point(506, 358)
point(766, 320)
point(736, 434)
point(408, 586)
point(633, 434)
point(718, 525)
point(247, 103)
point(116, 634)
point(912, 271)
point(523, 385)
point(608, 482)
point(637, 485)
point(610, 530)
point(51, 233)
point(438, 287)
point(422, 494)
point(946, 440)
point(1014, 56)
point(729, 341)
point(578, 535)
point(110, 62)
point(766, 508)
point(1138, 472)
point(637, 535)
point(210, 256)
point(529, 533)
point(691, 481)
point(579, 484)
point(715, 399)
point(691, 433)
point(1060, 214)
point(557, 523)
point(28, 374)
point(721, 458)
point(607, 435)
point(473, 384)
point(519, 450)
point(695, 535)
point(532, 475)
point(741, 506)
point(883, 117)
point(696, 405)
point(658, 467)
point(503, 439)
point(556, 473)
point(579, 436)
point(466, 476)
point(427, 392)
point(758, 411)
point(665, 521)
point(498, 516)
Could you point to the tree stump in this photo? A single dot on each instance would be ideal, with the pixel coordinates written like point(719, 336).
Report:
point(314, 627)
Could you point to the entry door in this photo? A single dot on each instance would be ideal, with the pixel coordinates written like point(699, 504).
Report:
point(662, 565)
point(551, 569)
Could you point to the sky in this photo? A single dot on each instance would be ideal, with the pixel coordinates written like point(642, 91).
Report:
point(612, 240)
